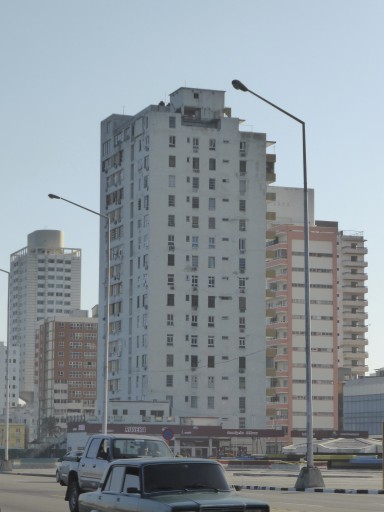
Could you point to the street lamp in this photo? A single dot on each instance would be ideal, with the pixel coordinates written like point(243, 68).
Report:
point(7, 464)
point(310, 476)
point(106, 217)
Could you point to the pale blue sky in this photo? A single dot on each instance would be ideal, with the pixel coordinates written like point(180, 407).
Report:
point(66, 65)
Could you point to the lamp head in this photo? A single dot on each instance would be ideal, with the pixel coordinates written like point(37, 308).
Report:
point(53, 196)
point(239, 85)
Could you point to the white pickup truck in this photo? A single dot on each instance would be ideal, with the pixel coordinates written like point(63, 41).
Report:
point(85, 474)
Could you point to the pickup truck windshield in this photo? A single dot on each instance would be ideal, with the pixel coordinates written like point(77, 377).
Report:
point(184, 477)
point(130, 448)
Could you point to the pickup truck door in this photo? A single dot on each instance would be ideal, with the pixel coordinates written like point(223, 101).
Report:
point(92, 466)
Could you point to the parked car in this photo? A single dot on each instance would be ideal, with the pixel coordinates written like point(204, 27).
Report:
point(166, 485)
point(65, 464)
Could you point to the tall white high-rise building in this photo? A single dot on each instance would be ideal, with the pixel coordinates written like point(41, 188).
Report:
point(185, 191)
point(44, 280)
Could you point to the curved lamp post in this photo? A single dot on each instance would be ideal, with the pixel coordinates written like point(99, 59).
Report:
point(106, 364)
point(310, 476)
point(7, 465)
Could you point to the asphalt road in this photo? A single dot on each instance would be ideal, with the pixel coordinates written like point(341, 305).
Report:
point(40, 493)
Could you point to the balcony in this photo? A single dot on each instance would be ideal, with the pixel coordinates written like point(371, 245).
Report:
point(347, 249)
point(352, 342)
point(347, 288)
point(361, 303)
point(356, 356)
point(358, 315)
point(357, 329)
point(358, 276)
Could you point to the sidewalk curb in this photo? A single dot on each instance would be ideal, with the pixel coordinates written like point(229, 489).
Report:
point(310, 489)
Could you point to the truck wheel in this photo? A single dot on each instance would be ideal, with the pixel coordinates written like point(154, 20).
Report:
point(73, 495)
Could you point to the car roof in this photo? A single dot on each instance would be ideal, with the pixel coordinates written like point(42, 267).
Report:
point(162, 460)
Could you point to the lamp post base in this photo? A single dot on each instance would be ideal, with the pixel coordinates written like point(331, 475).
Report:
point(6, 465)
point(309, 477)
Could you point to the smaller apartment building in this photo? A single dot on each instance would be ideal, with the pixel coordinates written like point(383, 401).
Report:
point(66, 360)
point(286, 348)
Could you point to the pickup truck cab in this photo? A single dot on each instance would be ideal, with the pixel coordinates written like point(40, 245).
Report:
point(99, 451)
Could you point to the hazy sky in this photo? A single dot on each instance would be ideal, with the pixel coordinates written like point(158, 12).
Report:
point(68, 64)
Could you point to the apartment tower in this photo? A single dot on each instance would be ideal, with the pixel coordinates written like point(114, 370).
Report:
point(44, 280)
point(185, 192)
point(286, 354)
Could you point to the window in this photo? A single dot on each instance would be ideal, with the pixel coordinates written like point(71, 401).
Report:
point(211, 262)
point(242, 408)
point(211, 341)
point(195, 281)
point(194, 321)
point(242, 365)
point(170, 319)
point(211, 361)
point(241, 324)
point(212, 184)
point(242, 205)
point(172, 121)
point(171, 180)
point(211, 301)
point(195, 301)
point(172, 161)
point(242, 265)
point(242, 225)
point(242, 342)
point(211, 242)
point(243, 167)
point(170, 340)
point(211, 402)
point(172, 200)
point(211, 203)
point(195, 143)
point(169, 381)
point(195, 183)
point(196, 164)
point(212, 164)
point(243, 146)
point(195, 202)
point(193, 402)
point(211, 382)
point(172, 141)
point(169, 360)
point(170, 299)
point(195, 261)
point(194, 362)
point(242, 304)
point(212, 144)
point(242, 186)
point(241, 382)
point(211, 281)
point(195, 242)
point(211, 321)
point(195, 222)
point(242, 244)
point(211, 222)
point(193, 340)
point(171, 220)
